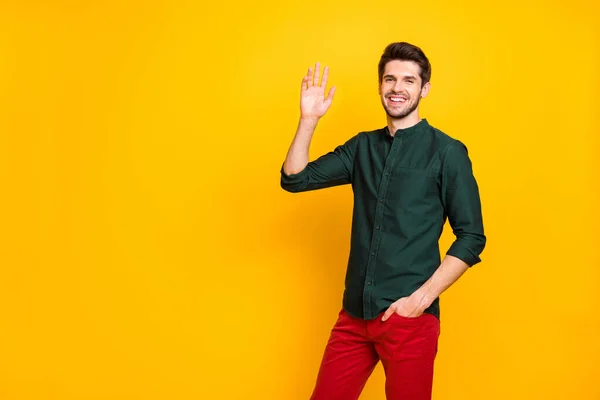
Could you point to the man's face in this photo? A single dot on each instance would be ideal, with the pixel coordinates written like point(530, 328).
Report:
point(400, 88)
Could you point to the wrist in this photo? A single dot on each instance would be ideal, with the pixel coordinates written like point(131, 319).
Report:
point(424, 298)
point(312, 120)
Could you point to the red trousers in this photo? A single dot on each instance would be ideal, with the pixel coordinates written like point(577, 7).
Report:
point(406, 347)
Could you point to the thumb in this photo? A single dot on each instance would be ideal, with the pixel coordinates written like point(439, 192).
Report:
point(388, 313)
point(329, 98)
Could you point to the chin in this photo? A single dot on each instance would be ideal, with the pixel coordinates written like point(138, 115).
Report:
point(396, 114)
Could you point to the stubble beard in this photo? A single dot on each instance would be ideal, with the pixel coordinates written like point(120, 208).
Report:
point(403, 112)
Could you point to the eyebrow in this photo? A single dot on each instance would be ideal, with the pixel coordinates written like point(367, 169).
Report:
point(405, 77)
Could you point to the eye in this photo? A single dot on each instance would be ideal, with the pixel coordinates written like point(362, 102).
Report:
point(410, 81)
point(388, 79)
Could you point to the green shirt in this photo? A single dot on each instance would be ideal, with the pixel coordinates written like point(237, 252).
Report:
point(405, 186)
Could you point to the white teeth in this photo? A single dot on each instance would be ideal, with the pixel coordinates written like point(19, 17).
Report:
point(398, 99)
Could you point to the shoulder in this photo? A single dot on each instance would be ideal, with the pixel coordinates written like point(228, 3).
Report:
point(375, 133)
point(366, 138)
point(443, 138)
point(447, 144)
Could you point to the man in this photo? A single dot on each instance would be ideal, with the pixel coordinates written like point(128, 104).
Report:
point(407, 178)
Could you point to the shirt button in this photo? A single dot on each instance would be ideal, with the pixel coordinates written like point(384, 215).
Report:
point(381, 200)
point(387, 174)
point(372, 253)
point(377, 227)
point(369, 283)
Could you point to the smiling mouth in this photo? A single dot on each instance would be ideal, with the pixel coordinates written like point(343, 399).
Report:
point(397, 100)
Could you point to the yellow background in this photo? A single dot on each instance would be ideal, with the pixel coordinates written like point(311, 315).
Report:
point(148, 252)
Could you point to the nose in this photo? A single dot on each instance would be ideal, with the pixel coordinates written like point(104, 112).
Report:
point(398, 86)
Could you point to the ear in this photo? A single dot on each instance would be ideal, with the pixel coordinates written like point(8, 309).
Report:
point(425, 89)
point(379, 88)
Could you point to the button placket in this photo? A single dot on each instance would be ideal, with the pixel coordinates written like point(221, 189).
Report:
point(376, 235)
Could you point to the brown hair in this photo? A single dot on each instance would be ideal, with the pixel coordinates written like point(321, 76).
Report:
point(406, 52)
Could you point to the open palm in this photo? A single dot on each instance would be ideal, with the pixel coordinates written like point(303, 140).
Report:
point(313, 103)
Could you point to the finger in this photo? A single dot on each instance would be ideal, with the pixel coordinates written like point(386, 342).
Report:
point(325, 76)
point(329, 98)
point(304, 83)
point(388, 313)
point(330, 94)
point(309, 77)
point(400, 310)
point(317, 74)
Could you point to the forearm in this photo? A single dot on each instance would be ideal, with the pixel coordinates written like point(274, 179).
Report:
point(297, 156)
point(447, 273)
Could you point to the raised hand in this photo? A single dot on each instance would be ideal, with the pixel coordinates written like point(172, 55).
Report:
point(313, 104)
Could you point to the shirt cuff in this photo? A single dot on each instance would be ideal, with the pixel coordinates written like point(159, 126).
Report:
point(293, 182)
point(459, 251)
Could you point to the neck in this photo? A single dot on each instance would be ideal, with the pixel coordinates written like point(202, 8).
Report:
point(402, 123)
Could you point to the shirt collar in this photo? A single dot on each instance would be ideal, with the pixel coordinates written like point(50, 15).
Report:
point(419, 127)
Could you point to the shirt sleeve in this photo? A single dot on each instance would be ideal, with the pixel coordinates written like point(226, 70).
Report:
point(462, 204)
point(331, 169)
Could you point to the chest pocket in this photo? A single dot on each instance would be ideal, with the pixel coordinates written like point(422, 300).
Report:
point(410, 187)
